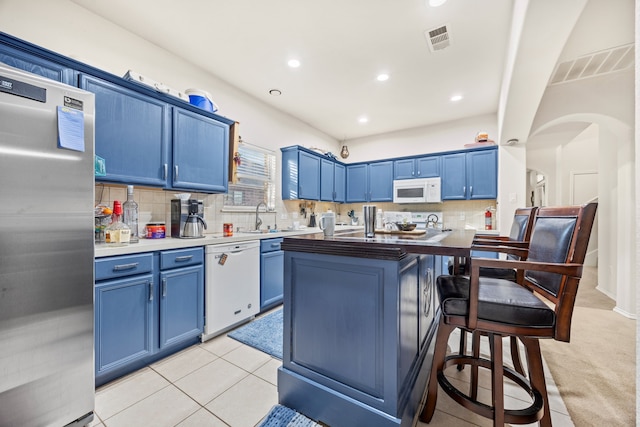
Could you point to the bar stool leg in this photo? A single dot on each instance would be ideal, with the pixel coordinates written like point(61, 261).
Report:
point(440, 351)
point(475, 347)
point(536, 375)
point(497, 385)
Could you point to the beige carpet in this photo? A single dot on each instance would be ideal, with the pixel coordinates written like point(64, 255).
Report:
point(595, 372)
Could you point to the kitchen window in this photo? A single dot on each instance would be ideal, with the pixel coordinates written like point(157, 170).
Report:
point(254, 179)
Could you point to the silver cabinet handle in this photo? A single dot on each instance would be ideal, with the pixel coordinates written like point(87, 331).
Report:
point(121, 267)
point(183, 258)
point(471, 190)
point(428, 289)
point(464, 190)
point(164, 288)
point(164, 171)
point(275, 245)
point(175, 168)
point(150, 291)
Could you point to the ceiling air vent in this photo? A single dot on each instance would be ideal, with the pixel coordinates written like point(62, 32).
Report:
point(595, 64)
point(437, 38)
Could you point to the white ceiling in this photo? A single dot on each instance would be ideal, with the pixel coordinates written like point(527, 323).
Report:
point(343, 45)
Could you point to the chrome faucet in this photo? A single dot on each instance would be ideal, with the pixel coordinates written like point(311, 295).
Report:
point(258, 220)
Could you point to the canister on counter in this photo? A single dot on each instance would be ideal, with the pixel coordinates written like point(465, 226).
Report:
point(227, 229)
point(156, 230)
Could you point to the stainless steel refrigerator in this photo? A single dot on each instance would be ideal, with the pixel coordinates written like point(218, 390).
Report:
point(46, 252)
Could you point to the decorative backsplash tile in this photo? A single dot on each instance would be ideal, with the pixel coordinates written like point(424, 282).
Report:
point(154, 205)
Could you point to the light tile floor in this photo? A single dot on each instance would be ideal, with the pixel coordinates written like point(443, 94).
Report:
point(222, 382)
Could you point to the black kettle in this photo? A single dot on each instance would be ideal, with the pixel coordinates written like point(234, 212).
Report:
point(195, 225)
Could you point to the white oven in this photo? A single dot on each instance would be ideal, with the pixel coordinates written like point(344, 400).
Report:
point(422, 190)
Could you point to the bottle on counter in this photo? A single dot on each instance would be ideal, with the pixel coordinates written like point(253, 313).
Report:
point(117, 231)
point(130, 214)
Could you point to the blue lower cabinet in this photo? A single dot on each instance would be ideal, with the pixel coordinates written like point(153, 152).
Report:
point(123, 312)
point(147, 306)
point(181, 304)
point(271, 273)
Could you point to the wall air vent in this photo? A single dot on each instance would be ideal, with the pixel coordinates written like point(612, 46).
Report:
point(438, 38)
point(595, 64)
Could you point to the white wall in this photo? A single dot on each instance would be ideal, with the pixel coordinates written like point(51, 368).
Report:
point(446, 136)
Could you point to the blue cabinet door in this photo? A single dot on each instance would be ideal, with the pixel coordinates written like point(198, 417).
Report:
point(357, 178)
point(326, 180)
point(428, 167)
point(181, 304)
point(131, 133)
point(308, 176)
point(339, 183)
point(471, 175)
point(482, 174)
point(200, 152)
point(123, 322)
point(454, 177)
point(271, 279)
point(381, 182)
point(34, 64)
point(404, 169)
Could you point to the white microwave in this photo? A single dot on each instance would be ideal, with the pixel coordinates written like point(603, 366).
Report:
point(422, 190)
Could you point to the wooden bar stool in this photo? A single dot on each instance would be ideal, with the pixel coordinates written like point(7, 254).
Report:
point(503, 308)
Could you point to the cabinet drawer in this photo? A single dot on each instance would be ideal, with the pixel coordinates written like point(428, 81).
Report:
point(181, 258)
point(129, 265)
point(269, 245)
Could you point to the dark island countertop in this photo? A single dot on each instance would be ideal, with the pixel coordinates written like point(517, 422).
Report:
point(384, 246)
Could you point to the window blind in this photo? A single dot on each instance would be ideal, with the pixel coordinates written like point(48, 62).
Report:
point(255, 178)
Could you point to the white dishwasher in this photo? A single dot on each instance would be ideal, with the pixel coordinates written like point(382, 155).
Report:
point(232, 286)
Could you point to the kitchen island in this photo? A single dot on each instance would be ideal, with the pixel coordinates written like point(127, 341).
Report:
point(359, 318)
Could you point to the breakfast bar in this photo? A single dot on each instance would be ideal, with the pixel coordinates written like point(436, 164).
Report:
point(359, 318)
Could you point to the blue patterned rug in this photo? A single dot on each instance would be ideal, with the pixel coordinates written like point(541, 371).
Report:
point(281, 416)
point(263, 333)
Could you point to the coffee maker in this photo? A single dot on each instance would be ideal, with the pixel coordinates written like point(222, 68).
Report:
point(187, 218)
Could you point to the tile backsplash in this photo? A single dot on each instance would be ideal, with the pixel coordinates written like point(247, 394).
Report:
point(154, 205)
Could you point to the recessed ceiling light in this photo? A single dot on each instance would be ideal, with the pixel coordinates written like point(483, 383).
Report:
point(456, 98)
point(293, 63)
point(363, 119)
point(436, 3)
point(275, 92)
point(382, 77)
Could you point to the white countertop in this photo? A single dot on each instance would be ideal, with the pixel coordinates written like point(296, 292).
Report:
point(150, 245)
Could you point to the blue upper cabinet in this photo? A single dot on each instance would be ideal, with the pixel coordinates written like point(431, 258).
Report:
point(339, 183)
point(200, 152)
point(381, 181)
point(470, 175)
point(482, 174)
point(327, 180)
point(370, 182)
point(307, 175)
point(131, 133)
point(428, 167)
point(357, 183)
point(420, 167)
point(34, 64)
